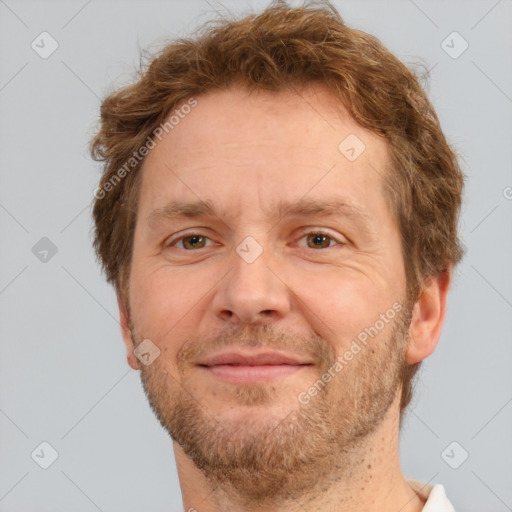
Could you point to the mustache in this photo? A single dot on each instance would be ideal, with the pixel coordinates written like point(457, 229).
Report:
point(314, 348)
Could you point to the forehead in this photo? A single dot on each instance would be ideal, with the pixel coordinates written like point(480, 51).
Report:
point(238, 147)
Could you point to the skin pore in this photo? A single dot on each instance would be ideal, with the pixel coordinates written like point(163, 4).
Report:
point(265, 163)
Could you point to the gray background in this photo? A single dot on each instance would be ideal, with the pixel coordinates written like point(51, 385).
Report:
point(63, 372)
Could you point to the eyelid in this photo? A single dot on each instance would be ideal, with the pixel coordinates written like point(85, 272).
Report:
point(339, 239)
point(171, 243)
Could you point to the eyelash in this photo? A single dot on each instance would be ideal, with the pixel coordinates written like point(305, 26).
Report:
point(314, 232)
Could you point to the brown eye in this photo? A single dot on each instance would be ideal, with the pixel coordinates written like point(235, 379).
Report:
point(318, 240)
point(191, 242)
point(194, 242)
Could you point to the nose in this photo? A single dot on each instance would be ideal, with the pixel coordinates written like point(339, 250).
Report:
point(252, 292)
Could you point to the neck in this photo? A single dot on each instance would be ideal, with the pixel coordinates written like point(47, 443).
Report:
point(370, 478)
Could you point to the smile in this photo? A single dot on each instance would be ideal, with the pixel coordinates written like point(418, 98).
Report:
point(244, 368)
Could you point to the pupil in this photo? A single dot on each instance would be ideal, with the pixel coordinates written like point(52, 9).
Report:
point(319, 239)
point(194, 240)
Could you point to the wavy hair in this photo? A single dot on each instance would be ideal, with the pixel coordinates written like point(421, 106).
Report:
point(285, 48)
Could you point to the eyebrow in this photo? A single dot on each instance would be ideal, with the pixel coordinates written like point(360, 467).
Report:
point(334, 207)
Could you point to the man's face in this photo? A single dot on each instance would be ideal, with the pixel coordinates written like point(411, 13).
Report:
point(270, 283)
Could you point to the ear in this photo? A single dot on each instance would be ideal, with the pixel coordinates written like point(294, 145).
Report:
point(428, 317)
point(124, 319)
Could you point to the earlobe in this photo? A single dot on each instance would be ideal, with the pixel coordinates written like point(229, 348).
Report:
point(428, 317)
point(124, 320)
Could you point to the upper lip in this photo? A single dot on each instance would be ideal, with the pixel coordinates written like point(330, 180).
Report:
point(265, 358)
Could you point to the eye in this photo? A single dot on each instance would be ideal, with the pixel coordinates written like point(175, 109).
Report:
point(314, 240)
point(190, 242)
point(319, 240)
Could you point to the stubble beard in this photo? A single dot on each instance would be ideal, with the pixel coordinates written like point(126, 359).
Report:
point(263, 459)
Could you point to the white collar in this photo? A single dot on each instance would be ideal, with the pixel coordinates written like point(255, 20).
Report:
point(435, 496)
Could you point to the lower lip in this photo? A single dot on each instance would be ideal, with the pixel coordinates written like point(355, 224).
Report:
point(241, 374)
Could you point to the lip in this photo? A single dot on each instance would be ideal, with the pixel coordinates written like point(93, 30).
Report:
point(264, 358)
point(245, 368)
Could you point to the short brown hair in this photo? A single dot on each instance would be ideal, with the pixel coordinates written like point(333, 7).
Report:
point(283, 48)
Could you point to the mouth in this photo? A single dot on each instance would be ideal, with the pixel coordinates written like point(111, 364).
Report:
point(242, 368)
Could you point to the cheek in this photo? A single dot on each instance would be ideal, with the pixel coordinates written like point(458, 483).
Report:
point(164, 306)
point(338, 303)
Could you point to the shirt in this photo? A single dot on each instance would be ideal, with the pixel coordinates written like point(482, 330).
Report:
point(434, 494)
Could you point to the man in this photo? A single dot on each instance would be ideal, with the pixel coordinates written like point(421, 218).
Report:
point(278, 215)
